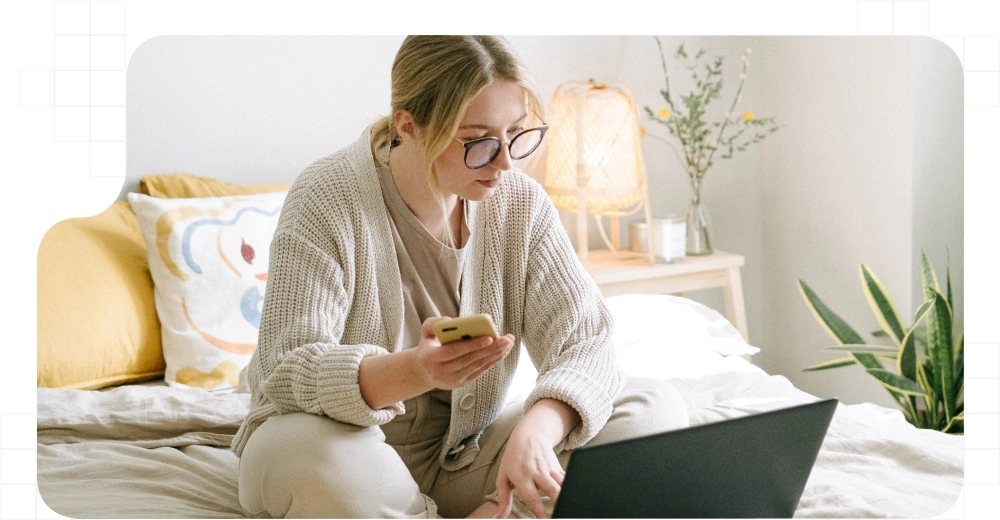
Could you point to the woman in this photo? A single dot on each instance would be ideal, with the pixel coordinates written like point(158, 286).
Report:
point(357, 410)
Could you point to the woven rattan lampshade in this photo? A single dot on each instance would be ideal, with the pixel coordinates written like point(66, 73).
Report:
point(593, 139)
point(594, 158)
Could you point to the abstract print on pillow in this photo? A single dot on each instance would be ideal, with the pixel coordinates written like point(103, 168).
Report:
point(208, 258)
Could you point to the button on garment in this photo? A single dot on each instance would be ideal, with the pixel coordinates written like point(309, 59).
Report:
point(431, 275)
point(467, 402)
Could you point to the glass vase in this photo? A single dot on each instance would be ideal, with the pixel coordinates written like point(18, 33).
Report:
point(697, 224)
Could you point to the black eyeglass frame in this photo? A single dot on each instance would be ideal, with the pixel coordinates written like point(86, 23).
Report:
point(469, 144)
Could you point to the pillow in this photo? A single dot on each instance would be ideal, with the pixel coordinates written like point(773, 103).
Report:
point(686, 323)
point(668, 336)
point(659, 336)
point(185, 185)
point(208, 258)
point(97, 322)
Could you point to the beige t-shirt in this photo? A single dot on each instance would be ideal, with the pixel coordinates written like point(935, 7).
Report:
point(431, 272)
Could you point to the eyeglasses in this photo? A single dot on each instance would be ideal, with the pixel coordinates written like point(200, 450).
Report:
point(482, 151)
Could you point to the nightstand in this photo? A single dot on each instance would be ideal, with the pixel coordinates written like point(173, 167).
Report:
point(631, 273)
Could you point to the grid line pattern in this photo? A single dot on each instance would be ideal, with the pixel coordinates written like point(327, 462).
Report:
point(86, 85)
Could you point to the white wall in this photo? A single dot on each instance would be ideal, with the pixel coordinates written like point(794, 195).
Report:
point(867, 169)
point(250, 109)
point(836, 192)
point(261, 108)
point(938, 184)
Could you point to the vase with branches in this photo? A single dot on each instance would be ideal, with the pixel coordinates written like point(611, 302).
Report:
point(688, 120)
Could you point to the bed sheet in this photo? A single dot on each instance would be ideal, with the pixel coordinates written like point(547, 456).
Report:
point(139, 452)
point(148, 451)
point(157, 452)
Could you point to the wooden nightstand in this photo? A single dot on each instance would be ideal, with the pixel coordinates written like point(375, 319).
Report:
point(632, 273)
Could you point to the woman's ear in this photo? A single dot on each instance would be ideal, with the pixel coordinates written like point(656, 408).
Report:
point(406, 127)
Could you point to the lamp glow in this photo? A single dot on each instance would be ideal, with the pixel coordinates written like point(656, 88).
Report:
point(594, 161)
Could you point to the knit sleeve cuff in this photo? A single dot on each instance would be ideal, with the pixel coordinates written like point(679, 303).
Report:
point(322, 380)
point(580, 392)
point(340, 392)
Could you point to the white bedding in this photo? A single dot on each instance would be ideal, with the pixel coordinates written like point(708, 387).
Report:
point(872, 463)
point(148, 452)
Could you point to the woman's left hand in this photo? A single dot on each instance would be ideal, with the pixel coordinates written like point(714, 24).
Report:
point(530, 466)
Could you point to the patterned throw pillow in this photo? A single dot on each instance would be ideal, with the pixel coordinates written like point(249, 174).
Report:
point(208, 258)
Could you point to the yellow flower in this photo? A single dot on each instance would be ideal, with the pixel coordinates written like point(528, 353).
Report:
point(748, 116)
point(642, 131)
point(664, 113)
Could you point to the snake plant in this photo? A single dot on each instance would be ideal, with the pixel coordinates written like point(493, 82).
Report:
point(928, 377)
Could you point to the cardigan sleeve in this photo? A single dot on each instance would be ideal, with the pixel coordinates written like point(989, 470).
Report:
point(300, 364)
point(568, 331)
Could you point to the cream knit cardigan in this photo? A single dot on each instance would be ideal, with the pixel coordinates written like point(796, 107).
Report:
point(334, 296)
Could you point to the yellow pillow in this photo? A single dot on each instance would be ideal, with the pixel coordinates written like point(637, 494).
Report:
point(185, 185)
point(97, 323)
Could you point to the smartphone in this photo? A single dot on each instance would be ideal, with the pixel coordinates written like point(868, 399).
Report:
point(465, 327)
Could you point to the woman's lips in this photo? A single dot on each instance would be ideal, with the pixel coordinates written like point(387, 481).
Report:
point(490, 184)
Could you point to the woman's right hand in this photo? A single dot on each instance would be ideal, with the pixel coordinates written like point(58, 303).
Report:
point(455, 364)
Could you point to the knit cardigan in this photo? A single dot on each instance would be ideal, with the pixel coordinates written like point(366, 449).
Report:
point(334, 295)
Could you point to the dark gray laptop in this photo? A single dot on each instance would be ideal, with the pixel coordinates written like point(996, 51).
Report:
point(753, 466)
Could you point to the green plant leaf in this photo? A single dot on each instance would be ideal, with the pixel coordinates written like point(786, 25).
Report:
point(939, 340)
point(906, 363)
point(842, 332)
point(842, 362)
point(958, 363)
point(960, 418)
point(929, 276)
point(935, 383)
point(929, 395)
point(911, 406)
point(921, 311)
point(836, 327)
point(881, 304)
point(879, 334)
point(866, 349)
point(896, 382)
point(947, 278)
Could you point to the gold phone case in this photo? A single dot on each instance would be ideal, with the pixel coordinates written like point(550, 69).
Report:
point(465, 327)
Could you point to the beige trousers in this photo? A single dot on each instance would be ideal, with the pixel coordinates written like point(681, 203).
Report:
point(309, 466)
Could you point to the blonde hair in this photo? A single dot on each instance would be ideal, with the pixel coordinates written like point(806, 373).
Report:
point(434, 78)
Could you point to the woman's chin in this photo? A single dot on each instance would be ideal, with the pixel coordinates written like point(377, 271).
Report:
point(477, 192)
point(481, 194)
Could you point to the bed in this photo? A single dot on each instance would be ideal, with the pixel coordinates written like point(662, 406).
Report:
point(149, 450)
point(118, 437)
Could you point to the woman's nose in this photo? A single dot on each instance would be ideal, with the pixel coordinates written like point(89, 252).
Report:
point(503, 160)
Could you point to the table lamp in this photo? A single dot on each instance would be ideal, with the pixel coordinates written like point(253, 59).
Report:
point(594, 160)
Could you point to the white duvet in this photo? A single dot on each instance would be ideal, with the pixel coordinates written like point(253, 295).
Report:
point(154, 451)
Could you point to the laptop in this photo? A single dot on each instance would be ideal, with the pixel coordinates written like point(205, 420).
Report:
point(748, 467)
